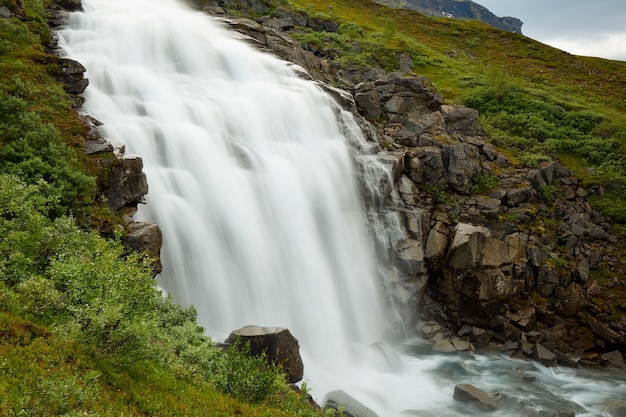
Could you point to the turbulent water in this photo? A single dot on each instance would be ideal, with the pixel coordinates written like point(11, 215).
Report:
point(253, 181)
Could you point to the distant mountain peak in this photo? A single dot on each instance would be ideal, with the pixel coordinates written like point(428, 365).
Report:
point(458, 9)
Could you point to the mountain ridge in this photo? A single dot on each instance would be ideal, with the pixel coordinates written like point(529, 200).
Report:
point(458, 9)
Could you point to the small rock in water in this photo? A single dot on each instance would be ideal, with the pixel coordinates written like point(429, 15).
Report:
point(469, 393)
point(443, 346)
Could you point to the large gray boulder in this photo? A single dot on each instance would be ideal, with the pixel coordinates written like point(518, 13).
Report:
point(279, 345)
point(126, 185)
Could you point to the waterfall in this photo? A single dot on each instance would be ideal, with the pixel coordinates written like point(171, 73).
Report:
point(253, 181)
point(251, 175)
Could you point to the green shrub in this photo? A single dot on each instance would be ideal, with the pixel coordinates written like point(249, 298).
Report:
point(484, 183)
point(247, 377)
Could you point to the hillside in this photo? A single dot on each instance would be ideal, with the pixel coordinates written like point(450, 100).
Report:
point(535, 101)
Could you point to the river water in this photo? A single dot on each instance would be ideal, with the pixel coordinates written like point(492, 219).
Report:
point(253, 179)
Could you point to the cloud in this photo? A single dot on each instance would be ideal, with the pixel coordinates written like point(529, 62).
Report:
point(611, 45)
point(581, 27)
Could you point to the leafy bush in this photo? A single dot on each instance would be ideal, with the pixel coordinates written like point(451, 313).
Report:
point(247, 377)
point(484, 183)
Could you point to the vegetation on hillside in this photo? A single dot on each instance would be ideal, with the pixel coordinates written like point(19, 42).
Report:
point(536, 102)
point(83, 329)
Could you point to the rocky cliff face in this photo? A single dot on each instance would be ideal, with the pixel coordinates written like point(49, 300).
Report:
point(490, 254)
point(458, 9)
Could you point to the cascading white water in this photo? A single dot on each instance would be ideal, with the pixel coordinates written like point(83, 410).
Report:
point(252, 182)
point(250, 174)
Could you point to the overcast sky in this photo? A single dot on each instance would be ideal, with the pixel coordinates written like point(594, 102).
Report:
point(581, 27)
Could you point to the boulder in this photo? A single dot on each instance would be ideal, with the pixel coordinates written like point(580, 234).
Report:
point(460, 119)
point(437, 242)
point(463, 166)
point(71, 74)
point(350, 406)
point(146, 238)
point(127, 183)
point(368, 103)
point(466, 248)
point(524, 318)
point(279, 345)
point(468, 393)
point(603, 331)
point(544, 356)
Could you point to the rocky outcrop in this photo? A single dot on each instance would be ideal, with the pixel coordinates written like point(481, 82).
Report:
point(277, 343)
point(458, 9)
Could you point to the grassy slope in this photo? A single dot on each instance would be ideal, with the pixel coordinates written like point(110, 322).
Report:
point(536, 101)
point(477, 46)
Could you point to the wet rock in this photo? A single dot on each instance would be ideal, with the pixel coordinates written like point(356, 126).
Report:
point(408, 190)
point(544, 356)
point(98, 145)
point(565, 359)
point(443, 346)
point(470, 394)
point(617, 408)
point(613, 359)
point(279, 345)
point(429, 329)
point(460, 345)
point(339, 400)
point(127, 184)
point(524, 318)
